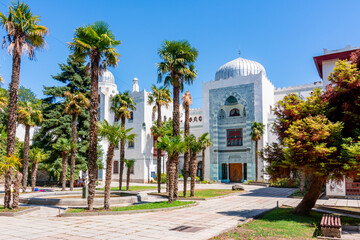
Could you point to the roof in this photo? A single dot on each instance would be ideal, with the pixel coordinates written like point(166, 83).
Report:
point(329, 55)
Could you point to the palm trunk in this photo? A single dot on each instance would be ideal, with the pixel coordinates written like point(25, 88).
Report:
point(94, 102)
point(310, 198)
point(167, 175)
point(158, 156)
point(172, 170)
point(7, 197)
point(12, 109)
point(109, 165)
point(73, 151)
point(64, 170)
point(122, 155)
point(187, 153)
point(203, 164)
point(256, 161)
point(33, 175)
point(128, 178)
point(193, 164)
point(176, 132)
point(16, 194)
point(26, 158)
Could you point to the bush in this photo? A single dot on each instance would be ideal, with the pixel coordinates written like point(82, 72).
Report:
point(205, 181)
point(163, 178)
point(197, 178)
point(285, 182)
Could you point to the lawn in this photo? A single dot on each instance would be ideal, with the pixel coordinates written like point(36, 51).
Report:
point(280, 224)
point(131, 188)
point(144, 206)
point(2, 209)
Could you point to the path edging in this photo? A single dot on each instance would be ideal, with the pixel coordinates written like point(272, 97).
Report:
point(14, 214)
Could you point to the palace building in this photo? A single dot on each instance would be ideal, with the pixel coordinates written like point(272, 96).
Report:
point(240, 94)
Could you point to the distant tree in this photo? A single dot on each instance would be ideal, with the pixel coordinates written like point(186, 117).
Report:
point(257, 131)
point(26, 95)
point(113, 134)
point(173, 145)
point(177, 68)
point(195, 146)
point(64, 146)
point(74, 105)
point(23, 33)
point(205, 142)
point(29, 115)
point(160, 97)
point(73, 78)
point(122, 104)
point(36, 156)
point(129, 164)
point(187, 101)
point(7, 163)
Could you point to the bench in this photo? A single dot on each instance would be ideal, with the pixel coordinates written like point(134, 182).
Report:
point(78, 184)
point(331, 226)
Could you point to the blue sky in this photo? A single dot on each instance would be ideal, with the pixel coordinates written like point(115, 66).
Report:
point(282, 35)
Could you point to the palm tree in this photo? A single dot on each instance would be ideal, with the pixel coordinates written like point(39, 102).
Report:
point(129, 165)
point(95, 42)
point(257, 131)
point(187, 101)
point(161, 97)
point(64, 146)
point(205, 143)
point(36, 155)
point(122, 104)
point(195, 146)
point(173, 145)
point(23, 34)
point(7, 163)
point(29, 115)
point(177, 68)
point(74, 105)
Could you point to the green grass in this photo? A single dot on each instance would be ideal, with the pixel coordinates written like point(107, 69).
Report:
point(208, 193)
point(143, 206)
point(2, 209)
point(131, 188)
point(281, 223)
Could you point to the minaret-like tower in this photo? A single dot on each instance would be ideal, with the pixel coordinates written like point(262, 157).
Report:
point(135, 87)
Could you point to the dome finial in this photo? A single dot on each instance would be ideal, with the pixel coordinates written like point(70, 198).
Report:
point(239, 52)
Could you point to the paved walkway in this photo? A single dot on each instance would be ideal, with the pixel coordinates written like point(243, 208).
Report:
point(209, 219)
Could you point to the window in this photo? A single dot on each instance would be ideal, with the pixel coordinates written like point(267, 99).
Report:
point(131, 144)
point(131, 116)
point(231, 101)
point(234, 112)
point(224, 171)
point(116, 119)
point(116, 167)
point(234, 137)
point(117, 146)
point(132, 169)
point(221, 114)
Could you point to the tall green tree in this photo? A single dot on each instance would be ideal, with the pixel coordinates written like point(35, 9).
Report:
point(97, 43)
point(29, 115)
point(176, 69)
point(194, 146)
point(187, 101)
point(122, 105)
point(64, 146)
point(23, 34)
point(113, 134)
point(205, 142)
point(73, 78)
point(74, 105)
point(36, 156)
point(257, 131)
point(160, 97)
point(173, 145)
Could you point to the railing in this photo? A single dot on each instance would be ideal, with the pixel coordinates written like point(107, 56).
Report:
point(353, 188)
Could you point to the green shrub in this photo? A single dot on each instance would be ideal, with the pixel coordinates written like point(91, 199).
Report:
point(285, 182)
point(163, 178)
point(205, 181)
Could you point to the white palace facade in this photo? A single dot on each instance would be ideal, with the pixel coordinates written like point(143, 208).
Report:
point(240, 94)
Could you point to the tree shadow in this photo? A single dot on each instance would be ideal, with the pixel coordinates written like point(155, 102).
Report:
point(269, 192)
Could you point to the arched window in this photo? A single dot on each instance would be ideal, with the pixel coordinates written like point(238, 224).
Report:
point(234, 112)
point(231, 101)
